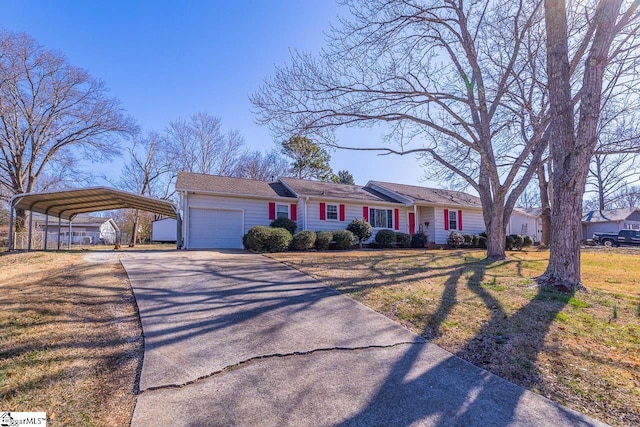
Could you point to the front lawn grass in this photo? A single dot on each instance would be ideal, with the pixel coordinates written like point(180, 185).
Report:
point(580, 350)
point(70, 339)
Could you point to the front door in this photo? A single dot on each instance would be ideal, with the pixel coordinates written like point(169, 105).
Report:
point(412, 223)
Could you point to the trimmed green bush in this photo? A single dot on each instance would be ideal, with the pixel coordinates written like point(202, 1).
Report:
point(482, 241)
point(303, 240)
point(256, 238)
point(385, 238)
point(476, 239)
point(361, 229)
point(279, 240)
point(344, 239)
point(518, 242)
point(403, 239)
point(509, 242)
point(528, 242)
point(468, 239)
point(323, 240)
point(455, 239)
point(285, 223)
point(419, 240)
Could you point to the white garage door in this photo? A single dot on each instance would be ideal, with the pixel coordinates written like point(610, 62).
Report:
point(215, 229)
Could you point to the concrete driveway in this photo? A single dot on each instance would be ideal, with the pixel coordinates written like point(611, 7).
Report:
point(237, 339)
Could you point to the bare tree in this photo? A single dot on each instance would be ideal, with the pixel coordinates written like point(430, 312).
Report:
point(148, 172)
point(199, 145)
point(607, 39)
point(444, 76)
point(51, 113)
point(608, 176)
point(627, 197)
point(260, 166)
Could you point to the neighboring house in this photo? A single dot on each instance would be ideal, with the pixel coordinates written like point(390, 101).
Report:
point(85, 229)
point(164, 230)
point(610, 221)
point(218, 211)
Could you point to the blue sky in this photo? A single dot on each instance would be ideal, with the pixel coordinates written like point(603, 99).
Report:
point(170, 59)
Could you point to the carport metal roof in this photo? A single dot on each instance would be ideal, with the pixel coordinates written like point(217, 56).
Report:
point(67, 204)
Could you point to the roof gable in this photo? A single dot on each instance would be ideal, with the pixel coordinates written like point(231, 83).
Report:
point(332, 190)
point(430, 195)
point(188, 181)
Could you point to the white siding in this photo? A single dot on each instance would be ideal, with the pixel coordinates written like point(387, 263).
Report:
point(256, 211)
point(351, 211)
point(164, 230)
point(523, 224)
point(426, 214)
point(472, 223)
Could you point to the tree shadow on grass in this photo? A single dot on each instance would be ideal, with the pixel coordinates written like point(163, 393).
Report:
point(471, 397)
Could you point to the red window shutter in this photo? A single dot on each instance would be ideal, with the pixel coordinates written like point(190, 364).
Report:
point(396, 219)
point(446, 219)
point(323, 211)
point(294, 212)
point(365, 213)
point(341, 212)
point(272, 210)
point(459, 220)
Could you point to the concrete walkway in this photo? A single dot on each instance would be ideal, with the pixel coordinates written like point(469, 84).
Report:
point(237, 339)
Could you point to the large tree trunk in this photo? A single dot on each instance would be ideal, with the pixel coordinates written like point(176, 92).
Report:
point(496, 232)
point(571, 148)
point(134, 230)
point(545, 212)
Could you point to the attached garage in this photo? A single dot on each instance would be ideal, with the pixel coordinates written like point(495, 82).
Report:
point(215, 228)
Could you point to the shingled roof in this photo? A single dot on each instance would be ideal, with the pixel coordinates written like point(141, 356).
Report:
point(232, 186)
point(612, 215)
point(431, 195)
point(331, 190)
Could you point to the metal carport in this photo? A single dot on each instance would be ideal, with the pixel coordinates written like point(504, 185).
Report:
point(69, 203)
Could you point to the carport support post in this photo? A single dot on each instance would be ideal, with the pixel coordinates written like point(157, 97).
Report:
point(69, 239)
point(59, 230)
point(30, 230)
point(46, 231)
point(10, 246)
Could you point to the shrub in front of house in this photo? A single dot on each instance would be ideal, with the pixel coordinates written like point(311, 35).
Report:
point(482, 241)
point(385, 238)
point(419, 240)
point(323, 240)
point(344, 239)
point(455, 239)
point(361, 229)
point(518, 242)
point(509, 242)
point(256, 238)
point(279, 240)
point(403, 239)
point(468, 239)
point(475, 241)
point(285, 223)
point(528, 242)
point(303, 240)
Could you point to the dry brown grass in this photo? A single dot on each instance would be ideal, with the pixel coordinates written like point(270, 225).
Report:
point(70, 340)
point(582, 351)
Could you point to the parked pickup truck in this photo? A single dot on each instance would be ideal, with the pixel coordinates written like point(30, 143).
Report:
point(624, 237)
